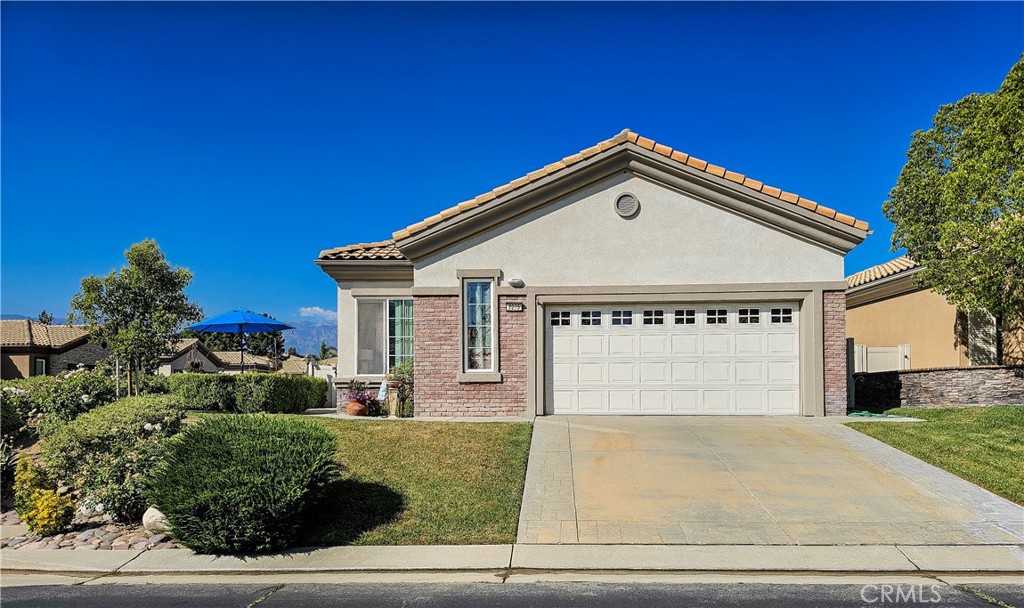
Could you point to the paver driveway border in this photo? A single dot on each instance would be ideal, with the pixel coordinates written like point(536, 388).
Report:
point(571, 496)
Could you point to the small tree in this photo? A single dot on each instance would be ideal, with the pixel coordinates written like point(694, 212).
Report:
point(45, 318)
point(326, 351)
point(957, 205)
point(138, 309)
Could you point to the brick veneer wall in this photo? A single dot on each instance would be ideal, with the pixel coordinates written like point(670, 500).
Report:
point(86, 354)
point(834, 327)
point(947, 387)
point(437, 356)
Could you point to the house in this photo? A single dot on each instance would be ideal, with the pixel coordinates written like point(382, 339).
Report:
point(897, 324)
point(189, 355)
point(29, 348)
point(628, 278)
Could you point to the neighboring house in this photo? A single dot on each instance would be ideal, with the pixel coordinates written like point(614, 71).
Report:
point(189, 355)
point(232, 362)
point(897, 324)
point(29, 348)
point(629, 278)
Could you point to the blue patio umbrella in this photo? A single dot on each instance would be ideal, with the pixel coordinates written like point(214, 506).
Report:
point(241, 322)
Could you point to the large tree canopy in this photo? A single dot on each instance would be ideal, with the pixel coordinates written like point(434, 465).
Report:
point(138, 309)
point(957, 203)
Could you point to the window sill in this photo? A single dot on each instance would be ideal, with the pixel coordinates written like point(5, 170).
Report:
point(478, 377)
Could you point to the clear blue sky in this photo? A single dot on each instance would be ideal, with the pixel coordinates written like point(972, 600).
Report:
point(247, 137)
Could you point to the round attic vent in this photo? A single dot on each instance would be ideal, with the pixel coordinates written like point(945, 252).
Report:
point(627, 205)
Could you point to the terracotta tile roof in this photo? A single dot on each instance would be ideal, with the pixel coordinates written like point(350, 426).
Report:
point(25, 332)
point(888, 269)
point(627, 136)
point(381, 250)
point(233, 357)
point(328, 361)
point(293, 365)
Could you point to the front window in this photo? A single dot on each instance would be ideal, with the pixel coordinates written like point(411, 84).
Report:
point(479, 325)
point(383, 335)
point(39, 366)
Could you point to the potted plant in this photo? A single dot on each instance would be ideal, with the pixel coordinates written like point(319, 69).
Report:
point(359, 399)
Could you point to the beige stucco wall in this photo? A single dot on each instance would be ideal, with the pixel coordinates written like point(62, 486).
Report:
point(178, 364)
point(923, 319)
point(346, 369)
point(16, 366)
point(674, 240)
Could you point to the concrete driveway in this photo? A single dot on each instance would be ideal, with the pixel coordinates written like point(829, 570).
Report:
point(772, 481)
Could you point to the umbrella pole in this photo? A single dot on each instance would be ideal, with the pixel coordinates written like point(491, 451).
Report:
point(241, 350)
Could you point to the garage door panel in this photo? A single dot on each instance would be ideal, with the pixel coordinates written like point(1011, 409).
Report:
point(590, 346)
point(619, 345)
point(591, 373)
point(724, 359)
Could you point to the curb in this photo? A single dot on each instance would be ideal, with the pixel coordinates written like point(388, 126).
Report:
point(504, 560)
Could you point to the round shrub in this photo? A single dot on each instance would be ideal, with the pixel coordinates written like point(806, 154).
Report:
point(51, 512)
point(108, 453)
point(204, 391)
point(244, 483)
point(14, 409)
point(29, 477)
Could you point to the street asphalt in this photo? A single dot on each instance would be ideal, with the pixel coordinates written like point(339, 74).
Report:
point(483, 595)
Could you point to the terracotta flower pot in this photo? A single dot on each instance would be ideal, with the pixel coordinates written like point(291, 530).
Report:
point(355, 408)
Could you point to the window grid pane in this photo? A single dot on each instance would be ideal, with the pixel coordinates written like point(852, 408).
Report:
point(716, 316)
point(654, 317)
point(782, 315)
point(590, 317)
point(686, 317)
point(400, 331)
point(622, 317)
point(479, 353)
point(750, 315)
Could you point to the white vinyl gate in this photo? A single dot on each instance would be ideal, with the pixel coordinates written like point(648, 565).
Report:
point(672, 359)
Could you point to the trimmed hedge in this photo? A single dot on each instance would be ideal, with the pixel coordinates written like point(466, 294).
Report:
point(278, 393)
point(244, 483)
point(108, 453)
point(204, 391)
point(250, 392)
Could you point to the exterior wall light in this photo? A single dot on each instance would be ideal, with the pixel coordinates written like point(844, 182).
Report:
point(517, 283)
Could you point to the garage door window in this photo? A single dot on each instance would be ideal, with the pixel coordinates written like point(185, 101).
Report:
point(750, 316)
point(590, 317)
point(782, 315)
point(654, 317)
point(687, 316)
point(622, 317)
point(479, 328)
point(717, 316)
point(560, 319)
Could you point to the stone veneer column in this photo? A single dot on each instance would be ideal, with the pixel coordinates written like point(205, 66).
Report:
point(834, 323)
point(437, 356)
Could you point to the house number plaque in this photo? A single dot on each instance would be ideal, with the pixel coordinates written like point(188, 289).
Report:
point(515, 306)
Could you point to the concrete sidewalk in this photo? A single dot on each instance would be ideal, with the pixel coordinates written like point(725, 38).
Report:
point(507, 559)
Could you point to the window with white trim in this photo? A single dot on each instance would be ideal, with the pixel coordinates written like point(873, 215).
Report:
point(749, 316)
point(560, 318)
point(39, 366)
point(590, 317)
point(622, 317)
point(782, 315)
point(478, 328)
point(717, 316)
point(686, 316)
point(383, 334)
point(654, 317)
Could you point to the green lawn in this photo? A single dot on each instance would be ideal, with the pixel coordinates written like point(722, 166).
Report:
point(984, 445)
point(412, 483)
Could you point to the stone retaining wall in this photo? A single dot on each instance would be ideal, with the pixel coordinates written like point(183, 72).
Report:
point(944, 387)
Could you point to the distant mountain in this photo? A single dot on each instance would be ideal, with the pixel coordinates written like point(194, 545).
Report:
point(11, 316)
point(308, 334)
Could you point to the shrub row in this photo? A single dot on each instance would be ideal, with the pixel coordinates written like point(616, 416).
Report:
point(108, 453)
point(244, 483)
point(250, 392)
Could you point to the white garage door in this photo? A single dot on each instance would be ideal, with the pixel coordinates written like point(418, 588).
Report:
point(673, 359)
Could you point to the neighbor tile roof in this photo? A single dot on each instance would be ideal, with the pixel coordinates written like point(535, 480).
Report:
point(381, 250)
point(888, 269)
point(25, 332)
point(627, 136)
point(233, 357)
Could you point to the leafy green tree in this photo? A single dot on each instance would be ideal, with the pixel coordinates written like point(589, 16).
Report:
point(957, 205)
point(45, 318)
point(138, 309)
point(326, 351)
